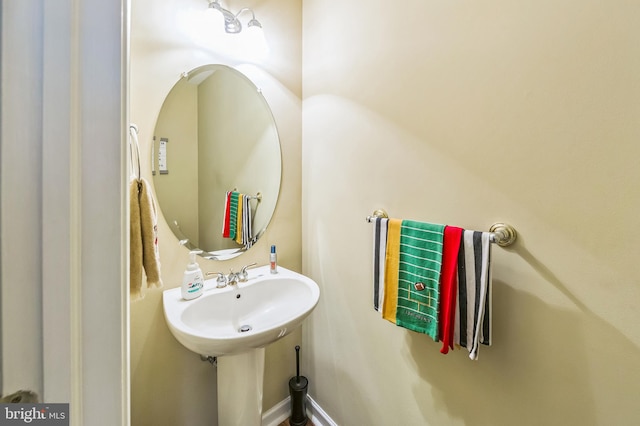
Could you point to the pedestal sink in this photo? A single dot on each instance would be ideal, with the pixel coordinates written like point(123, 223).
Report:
point(235, 323)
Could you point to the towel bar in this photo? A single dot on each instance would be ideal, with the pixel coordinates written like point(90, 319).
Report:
point(258, 195)
point(502, 234)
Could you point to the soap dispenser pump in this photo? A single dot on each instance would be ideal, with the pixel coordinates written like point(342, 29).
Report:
point(192, 282)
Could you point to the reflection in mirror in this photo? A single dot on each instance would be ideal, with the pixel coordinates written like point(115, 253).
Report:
point(216, 135)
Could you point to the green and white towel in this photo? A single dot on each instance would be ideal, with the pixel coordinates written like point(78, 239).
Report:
point(233, 215)
point(419, 276)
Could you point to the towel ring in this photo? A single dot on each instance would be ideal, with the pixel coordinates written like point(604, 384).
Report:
point(134, 144)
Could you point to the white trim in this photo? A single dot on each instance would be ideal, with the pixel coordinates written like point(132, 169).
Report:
point(21, 196)
point(102, 137)
point(84, 210)
point(76, 406)
point(124, 216)
point(60, 215)
point(276, 414)
point(280, 412)
point(318, 416)
point(64, 276)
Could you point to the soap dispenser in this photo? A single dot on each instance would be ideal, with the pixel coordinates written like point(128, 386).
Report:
point(192, 282)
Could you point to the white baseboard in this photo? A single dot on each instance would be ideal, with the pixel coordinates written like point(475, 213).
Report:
point(280, 412)
point(318, 415)
point(276, 414)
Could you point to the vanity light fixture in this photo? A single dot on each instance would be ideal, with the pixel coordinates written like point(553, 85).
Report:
point(232, 24)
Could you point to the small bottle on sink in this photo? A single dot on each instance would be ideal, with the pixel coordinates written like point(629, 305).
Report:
point(273, 260)
point(192, 282)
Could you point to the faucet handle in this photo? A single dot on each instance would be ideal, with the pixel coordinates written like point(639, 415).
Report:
point(243, 274)
point(232, 278)
point(221, 281)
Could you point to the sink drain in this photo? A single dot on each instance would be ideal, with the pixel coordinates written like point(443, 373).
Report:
point(244, 328)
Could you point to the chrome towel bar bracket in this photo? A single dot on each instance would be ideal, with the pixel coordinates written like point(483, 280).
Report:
point(503, 234)
point(376, 214)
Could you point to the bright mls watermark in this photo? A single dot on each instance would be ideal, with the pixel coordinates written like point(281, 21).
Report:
point(34, 414)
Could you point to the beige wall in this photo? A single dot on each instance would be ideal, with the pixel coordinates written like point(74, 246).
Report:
point(469, 113)
point(178, 123)
point(241, 152)
point(459, 113)
point(170, 385)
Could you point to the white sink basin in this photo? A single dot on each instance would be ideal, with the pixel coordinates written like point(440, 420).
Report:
point(235, 319)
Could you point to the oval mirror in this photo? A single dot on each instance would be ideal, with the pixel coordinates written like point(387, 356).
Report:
point(216, 161)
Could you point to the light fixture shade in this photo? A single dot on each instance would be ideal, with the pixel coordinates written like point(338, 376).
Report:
point(251, 43)
point(232, 25)
point(255, 41)
point(254, 23)
point(215, 18)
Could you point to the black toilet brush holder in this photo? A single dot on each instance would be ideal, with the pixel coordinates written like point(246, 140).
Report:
point(298, 386)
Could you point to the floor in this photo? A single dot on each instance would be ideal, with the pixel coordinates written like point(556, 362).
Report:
point(286, 423)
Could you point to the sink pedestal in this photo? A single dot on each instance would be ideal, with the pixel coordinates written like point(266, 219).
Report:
point(235, 319)
point(240, 379)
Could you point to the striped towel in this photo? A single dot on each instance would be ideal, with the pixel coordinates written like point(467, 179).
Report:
point(226, 222)
point(473, 310)
point(247, 232)
point(419, 276)
point(379, 260)
point(237, 223)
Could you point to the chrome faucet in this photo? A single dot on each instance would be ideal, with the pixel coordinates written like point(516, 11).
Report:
point(232, 278)
point(243, 275)
point(221, 281)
